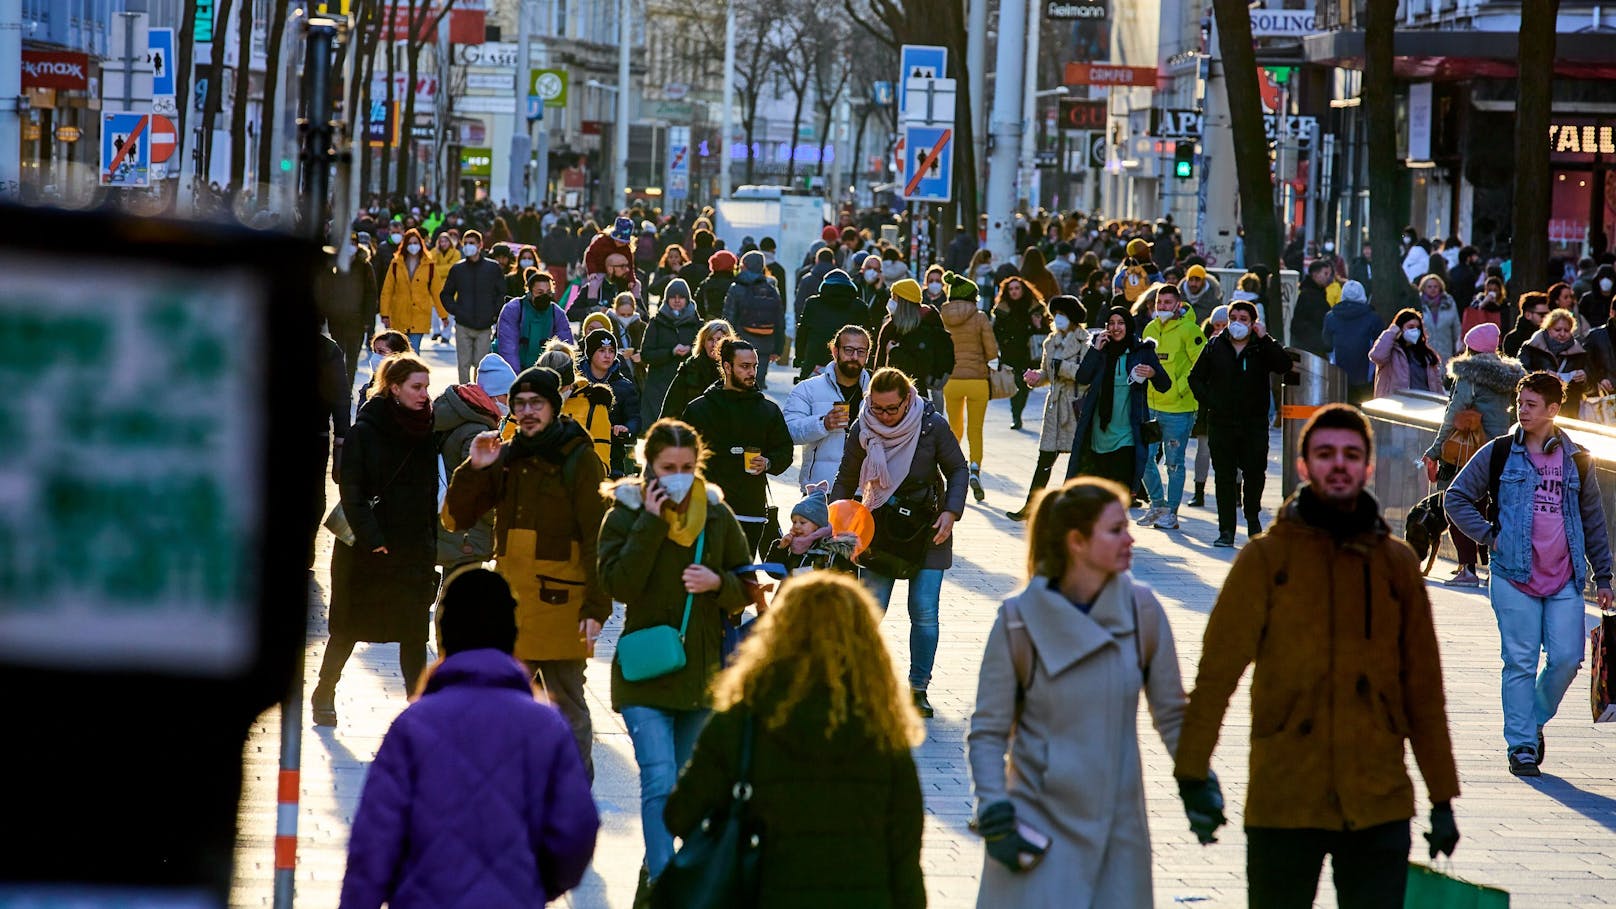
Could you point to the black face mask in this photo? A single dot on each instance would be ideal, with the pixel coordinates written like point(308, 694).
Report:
point(542, 298)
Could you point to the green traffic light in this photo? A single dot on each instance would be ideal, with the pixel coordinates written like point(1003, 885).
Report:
point(1182, 170)
point(286, 165)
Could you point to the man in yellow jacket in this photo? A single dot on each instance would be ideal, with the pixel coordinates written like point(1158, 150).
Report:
point(1179, 343)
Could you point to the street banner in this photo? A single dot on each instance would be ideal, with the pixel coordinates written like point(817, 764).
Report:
point(1106, 74)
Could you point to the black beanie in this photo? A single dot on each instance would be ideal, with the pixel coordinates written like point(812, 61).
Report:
point(597, 339)
point(477, 612)
point(541, 381)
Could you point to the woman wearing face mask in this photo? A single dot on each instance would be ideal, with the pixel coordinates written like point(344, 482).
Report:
point(382, 586)
point(934, 292)
point(515, 279)
point(914, 339)
point(1107, 441)
point(873, 292)
point(1595, 304)
point(446, 251)
point(699, 369)
point(1404, 359)
point(667, 546)
point(383, 346)
point(410, 290)
point(1442, 316)
point(1488, 306)
point(1555, 348)
point(1018, 314)
point(669, 338)
point(981, 271)
point(1062, 354)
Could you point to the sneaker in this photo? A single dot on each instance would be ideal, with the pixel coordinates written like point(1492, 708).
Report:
point(1465, 578)
point(922, 706)
point(1224, 541)
point(976, 483)
point(1151, 516)
point(1523, 762)
point(1542, 749)
point(1168, 521)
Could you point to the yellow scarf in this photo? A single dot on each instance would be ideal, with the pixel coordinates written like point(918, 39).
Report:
point(685, 526)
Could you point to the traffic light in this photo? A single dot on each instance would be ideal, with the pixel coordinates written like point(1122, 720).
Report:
point(1184, 159)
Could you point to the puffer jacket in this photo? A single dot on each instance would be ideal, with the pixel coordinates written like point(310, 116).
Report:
point(805, 411)
point(668, 329)
point(1347, 671)
point(1535, 356)
point(1486, 383)
point(1443, 325)
point(1350, 328)
point(972, 333)
point(1179, 343)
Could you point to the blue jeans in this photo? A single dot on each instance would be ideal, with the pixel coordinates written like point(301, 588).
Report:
point(663, 741)
point(925, 593)
point(415, 341)
point(1526, 626)
point(1176, 428)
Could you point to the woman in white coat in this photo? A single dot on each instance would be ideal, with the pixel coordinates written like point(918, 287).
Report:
point(1058, 695)
point(1063, 350)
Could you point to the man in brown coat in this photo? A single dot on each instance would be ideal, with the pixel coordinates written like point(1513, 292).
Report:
point(1332, 610)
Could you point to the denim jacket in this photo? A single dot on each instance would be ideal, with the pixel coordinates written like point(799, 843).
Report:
point(1511, 537)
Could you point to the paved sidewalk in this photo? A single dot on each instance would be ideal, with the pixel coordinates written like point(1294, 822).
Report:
point(1551, 842)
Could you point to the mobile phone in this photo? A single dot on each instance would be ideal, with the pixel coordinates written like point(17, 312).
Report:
point(1037, 839)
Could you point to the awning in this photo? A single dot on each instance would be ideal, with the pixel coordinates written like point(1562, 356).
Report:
point(1460, 55)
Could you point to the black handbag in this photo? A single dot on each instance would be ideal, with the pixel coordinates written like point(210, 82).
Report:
point(1150, 432)
point(716, 866)
point(903, 534)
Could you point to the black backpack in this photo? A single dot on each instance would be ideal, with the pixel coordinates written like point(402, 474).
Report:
point(759, 309)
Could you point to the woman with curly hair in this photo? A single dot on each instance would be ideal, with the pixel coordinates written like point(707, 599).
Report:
point(834, 786)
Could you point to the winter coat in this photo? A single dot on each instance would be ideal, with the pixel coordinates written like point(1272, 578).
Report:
point(874, 298)
point(1593, 308)
point(1231, 386)
point(408, 300)
point(642, 568)
point(455, 422)
point(348, 299)
point(925, 353)
point(474, 293)
point(631, 336)
point(938, 461)
point(477, 798)
point(694, 376)
point(1307, 319)
point(823, 315)
point(1535, 355)
point(1509, 538)
point(808, 285)
point(1063, 353)
point(1179, 343)
point(1074, 771)
point(1517, 338)
point(807, 791)
point(1483, 382)
point(590, 405)
point(731, 421)
point(1392, 365)
point(545, 534)
point(1210, 297)
point(972, 333)
point(1348, 669)
point(625, 404)
point(1442, 326)
point(384, 597)
point(668, 329)
point(749, 289)
point(595, 294)
point(1351, 328)
point(960, 250)
point(711, 294)
point(805, 411)
point(1013, 330)
point(521, 313)
point(1090, 373)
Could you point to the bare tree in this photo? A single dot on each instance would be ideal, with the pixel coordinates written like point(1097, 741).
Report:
point(273, 44)
point(794, 43)
point(367, 32)
point(182, 92)
point(754, 66)
point(869, 63)
point(1390, 287)
point(833, 69)
point(1529, 243)
point(215, 91)
point(423, 27)
point(238, 112)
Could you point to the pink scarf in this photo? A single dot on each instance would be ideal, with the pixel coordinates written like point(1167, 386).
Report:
point(890, 451)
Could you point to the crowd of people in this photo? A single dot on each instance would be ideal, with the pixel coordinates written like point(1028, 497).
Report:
point(609, 440)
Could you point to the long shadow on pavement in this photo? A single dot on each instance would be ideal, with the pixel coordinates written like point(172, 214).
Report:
point(1597, 808)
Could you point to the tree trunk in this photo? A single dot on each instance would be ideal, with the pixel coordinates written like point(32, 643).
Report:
point(238, 115)
point(210, 105)
point(392, 67)
point(1389, 286)
point(406, 125)
point(966, 209)
point(858, 149)
point(749, 123)
point(1529, 244)
point(369, 31)
point(1257, 212)
point(182, 97)
point(272, 86)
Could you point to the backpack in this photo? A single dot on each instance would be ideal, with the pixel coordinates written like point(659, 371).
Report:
point(1023, 652)
point(758, 310)
point(1466, 439)
point(1500, 457)
point(1135, 281)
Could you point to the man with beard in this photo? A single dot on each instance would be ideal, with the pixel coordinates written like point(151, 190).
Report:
point(746, 435)
point(545, 483)
point(821, 407)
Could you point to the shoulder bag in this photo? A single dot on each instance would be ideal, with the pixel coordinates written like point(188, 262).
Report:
point(1001, 383)
point(336, 520)
point(903, 534)
point(657, 651)
point(717, 864)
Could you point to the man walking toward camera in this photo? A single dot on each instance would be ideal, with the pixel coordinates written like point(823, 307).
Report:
point(1532, 499)
point(1331, 609)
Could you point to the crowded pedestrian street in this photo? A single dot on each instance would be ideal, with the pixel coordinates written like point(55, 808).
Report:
point(1546, 840)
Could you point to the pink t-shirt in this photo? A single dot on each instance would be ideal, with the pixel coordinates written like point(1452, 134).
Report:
point(1551, 552)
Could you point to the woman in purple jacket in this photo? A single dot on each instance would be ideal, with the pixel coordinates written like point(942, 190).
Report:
point(477, 797)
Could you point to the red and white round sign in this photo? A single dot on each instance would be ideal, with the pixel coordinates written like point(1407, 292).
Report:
point(164, 139)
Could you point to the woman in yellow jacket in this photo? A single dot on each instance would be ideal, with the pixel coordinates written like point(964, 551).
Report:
point(409, 289)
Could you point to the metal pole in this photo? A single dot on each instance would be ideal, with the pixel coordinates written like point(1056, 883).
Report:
point(976, 65)
point(625, 35)
point(10, 90)
point(1026, 169)
point(725, 186)
point(521, 145)
point(1006, 128)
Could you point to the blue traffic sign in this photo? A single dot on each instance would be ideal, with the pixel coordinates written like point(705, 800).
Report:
point(928, 163)
point(125, 149)
point(920, 61)
point(160, 48)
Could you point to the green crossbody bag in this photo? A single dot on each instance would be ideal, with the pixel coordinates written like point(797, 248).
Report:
point(657, 651)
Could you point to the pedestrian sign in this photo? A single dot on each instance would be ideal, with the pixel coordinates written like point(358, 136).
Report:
point(928, 163)
point(125, 149)
point(919, 61)
point(160, 53)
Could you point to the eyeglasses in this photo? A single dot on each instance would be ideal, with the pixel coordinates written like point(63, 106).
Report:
point(854, 351)
point(892, 411)
point(532, 404)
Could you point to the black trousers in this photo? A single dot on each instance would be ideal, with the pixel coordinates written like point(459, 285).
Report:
point(411, 661)
point(1111, 465)
point(351, 338)
point(1040, 475)
point(563, 683)
point(1370, 866)
point(1018, 401)
point(1239, 454)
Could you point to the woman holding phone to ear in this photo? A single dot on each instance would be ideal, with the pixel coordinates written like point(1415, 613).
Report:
point(668, 540)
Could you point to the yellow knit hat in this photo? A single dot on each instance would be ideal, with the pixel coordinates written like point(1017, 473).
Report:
point(1195, 271)
point(906, 289)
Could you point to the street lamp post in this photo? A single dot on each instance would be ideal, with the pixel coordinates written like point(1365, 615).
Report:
point(724, 184)
point(620, 133)
point(1007, 85)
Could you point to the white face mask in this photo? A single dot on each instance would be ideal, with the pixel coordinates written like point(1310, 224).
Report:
point(1239, 330)
point(935, 287)
point(375, 362)
point(677, 486)
point(892, 307)
point(529, 263)
point(1329, 247)
point(768, 258)
point(1411, 335)
point(413, 249)
point(872, 275)
point(1063, 322)
point(1604, 285)
point(396, 238)
point(1163, 316)
point(471, 250)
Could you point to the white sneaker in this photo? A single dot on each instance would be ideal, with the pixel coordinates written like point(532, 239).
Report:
point(1168, 521)
point(1151, 516)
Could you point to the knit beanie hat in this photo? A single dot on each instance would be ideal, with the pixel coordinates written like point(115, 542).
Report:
point(836, 277)
point(676, 288)
point(477, 612)
point(597, 339)
point(815, 509)
point(1353, 292)
point(494, 375)
point(1220, 313)
point(723, 260)
point(906, 289)
point(623, 230)
point(546, 383)
point(753, 262)
point(856, 261)
point(594, 321)
point(830, 235)
point(1483, 338)
point(1195, 271)
point(961, 287)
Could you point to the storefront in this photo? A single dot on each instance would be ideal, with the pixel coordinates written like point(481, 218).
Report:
point(1583, 156)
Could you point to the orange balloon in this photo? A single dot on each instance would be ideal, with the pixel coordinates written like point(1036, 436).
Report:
point(849, 516)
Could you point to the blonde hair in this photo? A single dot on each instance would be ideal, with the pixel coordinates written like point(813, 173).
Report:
point(396, 370)
point(1555, 315)
point(706, 332)
point(822, 638)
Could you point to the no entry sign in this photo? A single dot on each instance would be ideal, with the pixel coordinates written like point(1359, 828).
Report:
point(164, 139)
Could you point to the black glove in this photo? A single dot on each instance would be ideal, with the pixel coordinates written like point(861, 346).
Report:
point(1444, 835)
point(1203, 803)
point(997, 824)
point(1054, 366)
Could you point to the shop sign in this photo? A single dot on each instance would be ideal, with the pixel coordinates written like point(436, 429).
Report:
point(1282, 23)
point(1068, 9)
point(1166, 123)
point(1581, 140)
point(476, 162)
point(1106, 74)
point(55, 69)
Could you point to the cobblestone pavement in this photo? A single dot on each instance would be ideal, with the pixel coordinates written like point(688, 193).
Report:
point(1551, 842)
